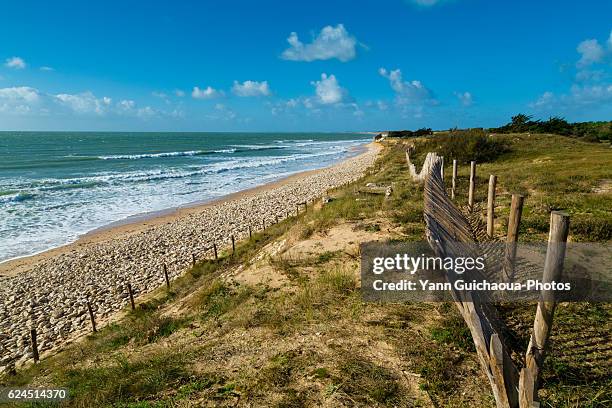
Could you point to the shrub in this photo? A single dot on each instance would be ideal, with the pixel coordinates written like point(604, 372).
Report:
point(591, 229)
point(410, 133)
point(467, 145)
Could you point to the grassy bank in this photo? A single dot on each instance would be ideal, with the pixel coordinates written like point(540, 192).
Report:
point(281, 322)
point(554, 173)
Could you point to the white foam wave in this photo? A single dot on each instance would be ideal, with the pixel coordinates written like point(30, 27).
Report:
point(152, 155)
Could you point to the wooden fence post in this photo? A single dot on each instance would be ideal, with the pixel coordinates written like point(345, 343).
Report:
point(491, 205)
point(131, 296)
point(193, 259)
point(166, 276)
point(215, 250)
point(526, 390)
point(553, 268)
point(91, 317)
point(233, 245)
point(263, 224)
point(514, 222)
point(472, 184)
point(250, 232)
point(34, 345)
point(454, 183)
point(305, 206)
point(276, 218)
point(496, 363)
point(297, 210)
point(442, 167)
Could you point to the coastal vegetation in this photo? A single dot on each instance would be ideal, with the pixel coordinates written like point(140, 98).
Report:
point(467, 145)
point(410, 133)
point(588, 131)
point(600, 131)
point(281, 321)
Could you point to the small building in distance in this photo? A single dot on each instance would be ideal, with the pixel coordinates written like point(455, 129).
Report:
point(381, 136)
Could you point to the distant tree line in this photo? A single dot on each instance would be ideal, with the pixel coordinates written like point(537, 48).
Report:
point(410, 133)
point(589, 131)
point(521, 123)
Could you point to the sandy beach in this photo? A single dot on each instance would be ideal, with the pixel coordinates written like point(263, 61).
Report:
point(47, 290)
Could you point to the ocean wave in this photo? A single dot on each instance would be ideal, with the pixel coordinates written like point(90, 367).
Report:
point(293, 140)
point(155, 155)
point(328, 142)
point(73, 184)
point(17, 197)
point(110, 179)
point(242, 148)
point(247, 148)
point(233, 149)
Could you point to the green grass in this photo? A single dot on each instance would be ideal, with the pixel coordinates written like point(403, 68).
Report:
point(452, 331)
point(367, 383)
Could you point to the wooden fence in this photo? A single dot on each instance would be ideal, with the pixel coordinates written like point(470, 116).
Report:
point(448, 230)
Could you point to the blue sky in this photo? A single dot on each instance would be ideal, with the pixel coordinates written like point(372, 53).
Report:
point(301, 66)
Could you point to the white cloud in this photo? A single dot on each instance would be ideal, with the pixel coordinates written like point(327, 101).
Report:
point(15, 62)
point(407, 92)
point(331, 42)
point(590, 52)
point(427, 3)
point(328, 90)
point(30, 101)
point(85, 103)
point(48, 69)
point(589, 95)
point(18, 100)
point(592, 89)
point(20, 94)
point(545, 100)
point(379, 104)
point(126, 105)
point(465, 98)
point(146, 112)
point(329, 96)
point(284, 106)
point(179, 93)
point(177, 113)
point(157, 94)
point(222, 112)
point(579, 97)
point(593, 52)
point(586, 75)
point(206, 93)
point(357, 111)
point(251, 88)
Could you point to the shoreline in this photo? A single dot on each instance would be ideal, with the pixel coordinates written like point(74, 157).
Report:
point(137, 223)
point(48, 291)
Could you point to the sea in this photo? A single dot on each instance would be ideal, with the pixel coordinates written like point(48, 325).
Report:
point(57, 186)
